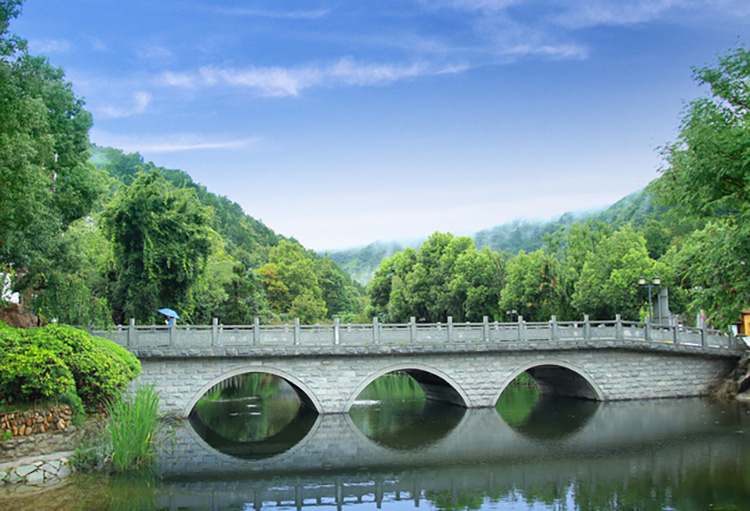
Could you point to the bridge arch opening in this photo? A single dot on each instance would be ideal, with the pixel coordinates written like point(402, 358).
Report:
point(557, 378)
point(253, 415)
point(548, 400)
point(406, 408)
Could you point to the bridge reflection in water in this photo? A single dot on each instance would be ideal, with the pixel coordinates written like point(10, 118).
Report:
point(605, 444)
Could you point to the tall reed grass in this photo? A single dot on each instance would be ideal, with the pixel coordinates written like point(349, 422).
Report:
point(133, 430)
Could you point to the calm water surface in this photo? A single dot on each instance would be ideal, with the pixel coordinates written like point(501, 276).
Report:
point(251, 446)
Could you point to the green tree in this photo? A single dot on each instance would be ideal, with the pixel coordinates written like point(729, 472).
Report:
point(530, 286)
point(70, 283)
point(386, 286)
point(161, 238)
point(608, 284)
point(339, 292)
point(46, 181)
point(445, 277)
point(290, 276)
point(707, 174)
point(476, 284)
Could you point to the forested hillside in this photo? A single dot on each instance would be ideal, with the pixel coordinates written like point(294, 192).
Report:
point(361, 262)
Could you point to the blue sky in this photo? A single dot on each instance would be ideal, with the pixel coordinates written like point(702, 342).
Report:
point(344, 122)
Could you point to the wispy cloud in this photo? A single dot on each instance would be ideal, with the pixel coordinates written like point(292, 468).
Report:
point(263, 13)
point(139, 105)
point(589, 13)
point(49, 46)
point(174, 143)
point(155, 52)
point(473, 5)
point(281, 81)
point(520, 28)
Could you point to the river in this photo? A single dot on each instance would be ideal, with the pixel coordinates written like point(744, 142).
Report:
point(251, 446)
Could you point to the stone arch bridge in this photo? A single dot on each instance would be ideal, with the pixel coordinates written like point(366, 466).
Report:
point(467, 364)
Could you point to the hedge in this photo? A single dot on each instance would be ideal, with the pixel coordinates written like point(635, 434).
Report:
point(98, 368)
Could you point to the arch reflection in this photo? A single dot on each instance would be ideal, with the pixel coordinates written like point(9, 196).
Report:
point(539, 416)
point(394, 412)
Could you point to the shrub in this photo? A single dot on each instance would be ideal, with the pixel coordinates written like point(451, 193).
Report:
point(30, 373)
point(9, 337)
point(100, 368)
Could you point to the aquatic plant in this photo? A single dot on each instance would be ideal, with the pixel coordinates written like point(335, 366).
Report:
point(133, 429)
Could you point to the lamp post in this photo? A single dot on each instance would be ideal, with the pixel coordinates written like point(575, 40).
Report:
point(512, 315)
point(655, 282)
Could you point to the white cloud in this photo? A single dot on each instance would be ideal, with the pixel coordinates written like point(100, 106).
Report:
point(173, 143)
point(281, 81)
point(49, 46)
point(155, 52)
point(139, 105)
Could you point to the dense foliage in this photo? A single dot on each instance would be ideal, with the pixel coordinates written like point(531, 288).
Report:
point(50, 361)
point(707, 175)
point(586, 269)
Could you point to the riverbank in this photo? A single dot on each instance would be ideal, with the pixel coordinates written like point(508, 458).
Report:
point(42, 459)
point(737, 383)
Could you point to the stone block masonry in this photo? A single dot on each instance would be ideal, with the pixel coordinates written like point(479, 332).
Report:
point(329, 378)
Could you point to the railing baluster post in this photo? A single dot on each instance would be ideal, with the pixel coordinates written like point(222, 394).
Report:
point(412, 329)
point(675, 333)
point(336, 331)
point(521, 333)
point(172, 334)
point(586, 327)
point(619, 331)
point(450, 329)
point(375, 331)
point(131, 333)
point(214, 331)
point(297, 331)
point(256, 331)
point(704, 335)
point(554, 334)
point(485, 328)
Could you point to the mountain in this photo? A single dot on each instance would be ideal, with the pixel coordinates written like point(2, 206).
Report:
point(361, 262)
point(247, 239)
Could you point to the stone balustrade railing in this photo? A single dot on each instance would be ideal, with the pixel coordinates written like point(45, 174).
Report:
point(152, 336)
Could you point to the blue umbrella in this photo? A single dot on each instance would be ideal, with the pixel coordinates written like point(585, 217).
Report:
point(169, 313)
